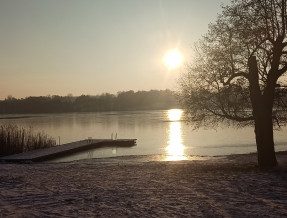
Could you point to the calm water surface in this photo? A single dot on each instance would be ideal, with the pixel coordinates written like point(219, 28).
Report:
point(159, 132)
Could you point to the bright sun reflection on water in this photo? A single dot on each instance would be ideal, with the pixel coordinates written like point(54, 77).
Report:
point(175, 148)
point(174, 114)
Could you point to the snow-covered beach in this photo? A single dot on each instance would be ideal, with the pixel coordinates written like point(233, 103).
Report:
point(228, 186)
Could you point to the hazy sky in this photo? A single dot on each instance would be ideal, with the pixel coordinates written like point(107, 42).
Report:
point(57, 47)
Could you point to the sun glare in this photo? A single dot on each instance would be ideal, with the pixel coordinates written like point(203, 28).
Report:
point(173, 59)
point(174, 114)
point(175, 149)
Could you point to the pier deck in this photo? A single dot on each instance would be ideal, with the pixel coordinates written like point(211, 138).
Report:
point(64, 149)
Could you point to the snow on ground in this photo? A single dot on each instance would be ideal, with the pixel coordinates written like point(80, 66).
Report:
point(230, 186)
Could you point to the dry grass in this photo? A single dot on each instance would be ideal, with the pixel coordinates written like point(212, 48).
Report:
point(15, 139)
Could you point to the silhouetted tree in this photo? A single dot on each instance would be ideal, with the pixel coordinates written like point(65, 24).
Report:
point(236, 75)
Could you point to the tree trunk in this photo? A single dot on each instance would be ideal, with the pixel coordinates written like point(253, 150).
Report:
point(262, 111)
point(265, 141)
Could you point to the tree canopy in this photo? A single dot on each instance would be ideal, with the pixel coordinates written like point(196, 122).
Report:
point(130, 100)
point(239, 72)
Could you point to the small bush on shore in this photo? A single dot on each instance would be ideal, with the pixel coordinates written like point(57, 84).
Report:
point(14, 139)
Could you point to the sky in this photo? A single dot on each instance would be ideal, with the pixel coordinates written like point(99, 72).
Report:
point(61, 47)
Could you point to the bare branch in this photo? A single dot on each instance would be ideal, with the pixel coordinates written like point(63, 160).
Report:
point(235, 75)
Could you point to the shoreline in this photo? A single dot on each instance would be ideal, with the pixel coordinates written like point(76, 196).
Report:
point(162, 158)
point(228, 186)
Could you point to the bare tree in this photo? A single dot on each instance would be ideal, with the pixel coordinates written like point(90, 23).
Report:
point(238, 73)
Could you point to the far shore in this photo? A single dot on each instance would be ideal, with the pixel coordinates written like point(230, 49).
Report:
point(225, 186)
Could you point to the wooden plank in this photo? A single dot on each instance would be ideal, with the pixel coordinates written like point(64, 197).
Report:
point(60, 150)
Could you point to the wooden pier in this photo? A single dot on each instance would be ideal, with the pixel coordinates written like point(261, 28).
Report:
point(65, 149)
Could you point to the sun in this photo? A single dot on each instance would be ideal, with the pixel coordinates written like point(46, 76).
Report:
point(173, 59)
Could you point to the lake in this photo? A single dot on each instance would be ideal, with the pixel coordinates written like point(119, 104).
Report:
point(160, 132)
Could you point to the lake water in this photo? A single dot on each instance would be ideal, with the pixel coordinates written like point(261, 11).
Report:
point(160, 132)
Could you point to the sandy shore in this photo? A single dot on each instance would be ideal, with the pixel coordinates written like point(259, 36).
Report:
point(230, 186)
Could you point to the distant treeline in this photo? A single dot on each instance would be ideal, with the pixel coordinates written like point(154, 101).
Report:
point(130, 100)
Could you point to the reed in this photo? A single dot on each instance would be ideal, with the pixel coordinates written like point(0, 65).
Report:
point(15, 139)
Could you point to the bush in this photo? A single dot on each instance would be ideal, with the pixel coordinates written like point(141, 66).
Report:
point(14, 139)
